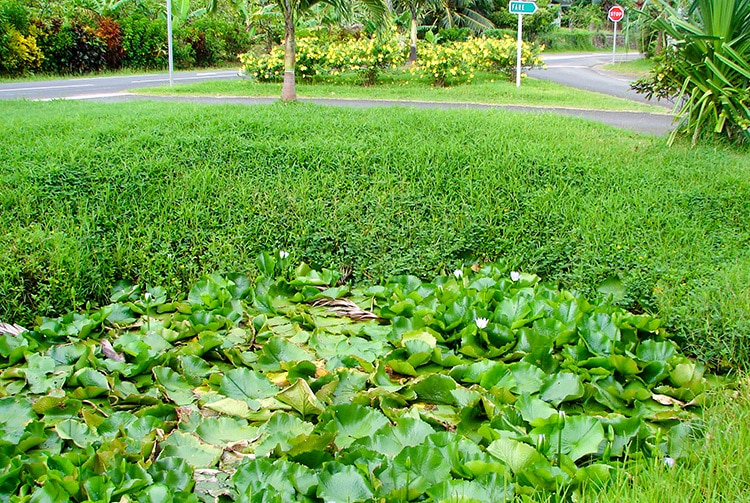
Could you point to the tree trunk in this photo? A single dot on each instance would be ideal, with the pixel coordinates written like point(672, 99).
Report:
point(413, 38)
point(288, 90)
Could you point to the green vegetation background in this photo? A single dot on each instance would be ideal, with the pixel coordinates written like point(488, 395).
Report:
point(162, 193)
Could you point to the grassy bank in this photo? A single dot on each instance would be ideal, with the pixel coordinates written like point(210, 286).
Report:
point(87, 198)
point(637, 68)
point(485, 88)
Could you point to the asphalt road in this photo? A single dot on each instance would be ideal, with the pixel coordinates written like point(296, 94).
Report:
point(575, 70)
point(101, 87)
point(584, 71)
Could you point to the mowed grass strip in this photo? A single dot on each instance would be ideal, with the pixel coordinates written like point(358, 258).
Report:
point(393, 85)
point(161, 193)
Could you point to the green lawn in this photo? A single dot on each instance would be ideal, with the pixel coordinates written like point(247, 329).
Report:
point(637, 68)
point(486, 88)
point(87, 199)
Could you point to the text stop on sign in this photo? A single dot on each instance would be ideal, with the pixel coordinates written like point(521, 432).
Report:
point(616, 13)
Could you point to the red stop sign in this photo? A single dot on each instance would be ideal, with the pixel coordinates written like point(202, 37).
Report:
point(616, 13)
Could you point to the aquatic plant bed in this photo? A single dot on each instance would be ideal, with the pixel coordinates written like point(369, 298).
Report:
point(482, 385)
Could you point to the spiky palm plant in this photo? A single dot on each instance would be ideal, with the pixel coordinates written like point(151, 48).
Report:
point(711, 67)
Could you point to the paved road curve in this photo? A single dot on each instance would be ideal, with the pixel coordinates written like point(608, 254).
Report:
point(584, 71)
point(98, 87)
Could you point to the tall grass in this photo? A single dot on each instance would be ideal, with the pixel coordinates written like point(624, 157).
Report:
point(162, 193)
point(715, 465)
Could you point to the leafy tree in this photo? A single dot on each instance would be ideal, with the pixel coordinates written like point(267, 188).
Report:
point(540, 22)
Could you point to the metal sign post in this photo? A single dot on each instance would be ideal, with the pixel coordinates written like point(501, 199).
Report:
point(520, 8)
point(615, 14)
point(518, 50)
point(169, 41)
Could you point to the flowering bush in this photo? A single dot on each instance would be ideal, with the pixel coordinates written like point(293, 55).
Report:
point(366, 56)
point(311, 60)
point(266, 67)
point(499, 55)
point(443, 65)
point(457, 62)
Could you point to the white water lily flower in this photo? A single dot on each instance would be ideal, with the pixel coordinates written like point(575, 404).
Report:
point(283, 254)
point(458, 273)
point(148, 296)
point(481, 322)
point(515, 275)
point(669, 462)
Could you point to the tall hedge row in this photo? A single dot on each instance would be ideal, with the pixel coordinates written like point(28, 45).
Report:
point(84, 41)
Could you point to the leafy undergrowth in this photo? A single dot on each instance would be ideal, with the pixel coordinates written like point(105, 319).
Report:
point(486, 385)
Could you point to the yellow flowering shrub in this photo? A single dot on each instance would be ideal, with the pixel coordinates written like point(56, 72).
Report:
point(366, 56)
point(443, 65)
point(499, 55)
point(265, 67)
point(20, 54)
point(456, 62)
point(311, 60)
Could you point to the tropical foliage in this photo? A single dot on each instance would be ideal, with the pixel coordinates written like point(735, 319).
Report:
point(292, 10)
point(707, 70)
point(482, 385)
point(314, 56)
point(442, 64)
point(73, 38)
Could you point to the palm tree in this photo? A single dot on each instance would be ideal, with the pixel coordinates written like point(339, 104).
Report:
point(292, 9)
point(468, 13)
point(417, 9)
point(448, 13)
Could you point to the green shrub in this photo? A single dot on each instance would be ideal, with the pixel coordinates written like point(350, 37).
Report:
point(19, 52)
point(499, 33)
point(454, 34)
point(145, 42)
point(204, 35)
point(14, 14)
point(71, 46)
point(584, 16)
point(572, 40)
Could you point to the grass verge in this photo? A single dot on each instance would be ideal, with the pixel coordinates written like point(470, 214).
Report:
point(86, 199)
point(637, 68)
point(402, 86)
